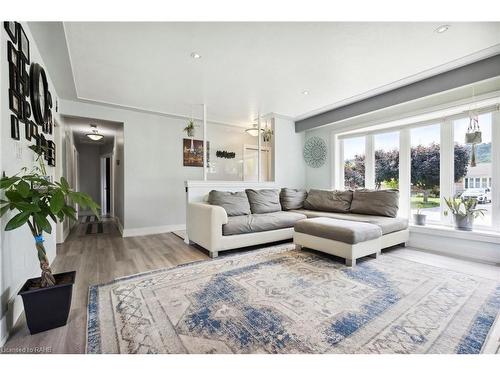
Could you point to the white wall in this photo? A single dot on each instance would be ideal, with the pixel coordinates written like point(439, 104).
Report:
point(17, 249)
point(89, 172)
point(320, 178)
point(153, 172)
point(289, 165)
point(226, 138)
point(118, 179)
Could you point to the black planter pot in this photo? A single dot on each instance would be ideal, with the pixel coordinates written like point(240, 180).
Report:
point(47, 308)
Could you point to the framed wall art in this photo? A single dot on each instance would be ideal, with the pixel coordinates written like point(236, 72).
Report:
point(193, 152)
point(11, 28)
point(34, 131)
point(24, 44)
point(27, 130)
point(13, 56)
point(14, 127)
point(15, 103)
point(26, 111)
point(14, 79)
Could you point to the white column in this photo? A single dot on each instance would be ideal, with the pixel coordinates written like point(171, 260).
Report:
point(339, 166)
point(495, 170)
point(334, 160)
point(259, 144)
point(204, 142)
point(446, 168)
point(369, 162)
point(404, 173)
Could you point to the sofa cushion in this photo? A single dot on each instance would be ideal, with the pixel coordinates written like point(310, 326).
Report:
point(292, 199)
point(346, 231)
point(328, 200)
point(264, 201)
point(386, 224)
point(235, 204)
point(375, 202)
point(260, 222)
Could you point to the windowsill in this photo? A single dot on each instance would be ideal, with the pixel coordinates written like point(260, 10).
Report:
point(480, 235)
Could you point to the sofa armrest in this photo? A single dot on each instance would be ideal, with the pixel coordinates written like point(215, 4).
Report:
point(204, 224)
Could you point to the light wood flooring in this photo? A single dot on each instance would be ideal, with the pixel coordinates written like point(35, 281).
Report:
point(100, 258)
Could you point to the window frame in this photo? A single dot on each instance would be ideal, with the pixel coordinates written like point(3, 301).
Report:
point(446, 164)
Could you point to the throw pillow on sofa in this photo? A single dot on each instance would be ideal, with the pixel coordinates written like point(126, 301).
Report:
point(328, 200)
point(235, 204)
point(264, 201)
point(376, 202)
point(292, 199)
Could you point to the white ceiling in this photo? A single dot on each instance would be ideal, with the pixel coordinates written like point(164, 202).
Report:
point(247, 68)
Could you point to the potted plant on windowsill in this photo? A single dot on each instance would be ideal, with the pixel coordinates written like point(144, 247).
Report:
point(35, 199)
point(419, 218)
point(464, 212)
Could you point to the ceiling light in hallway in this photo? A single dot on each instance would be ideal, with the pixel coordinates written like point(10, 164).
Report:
point(95, 136)
point(195, 55)
point(305, 92)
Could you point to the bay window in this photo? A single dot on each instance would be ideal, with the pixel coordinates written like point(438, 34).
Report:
point(428, 161)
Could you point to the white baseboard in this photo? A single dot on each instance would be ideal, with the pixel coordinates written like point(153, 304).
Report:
point(119, 225)
point(15, 308)
point(132, 232)
point(456, 247)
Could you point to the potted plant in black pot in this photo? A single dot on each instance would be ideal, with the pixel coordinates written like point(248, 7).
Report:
point(464, 212)
point(419, 218)
point(35, 199)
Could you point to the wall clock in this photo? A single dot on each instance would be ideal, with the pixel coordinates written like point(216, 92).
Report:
point(39, 94)
point(315, 152)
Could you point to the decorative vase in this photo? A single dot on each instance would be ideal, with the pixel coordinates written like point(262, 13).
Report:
point(47, 308)
point(419, 219)
point(464, 222)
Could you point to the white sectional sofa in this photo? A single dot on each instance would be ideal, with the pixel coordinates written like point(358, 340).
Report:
point(210, 226)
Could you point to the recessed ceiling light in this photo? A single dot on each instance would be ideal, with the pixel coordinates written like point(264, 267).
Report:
point(442, 29)
point(305, 92)
point(195, 55)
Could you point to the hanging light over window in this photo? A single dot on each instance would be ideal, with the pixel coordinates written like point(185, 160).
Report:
point(95, 136)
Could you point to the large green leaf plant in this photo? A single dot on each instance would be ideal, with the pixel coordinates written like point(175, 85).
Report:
point(35, 199)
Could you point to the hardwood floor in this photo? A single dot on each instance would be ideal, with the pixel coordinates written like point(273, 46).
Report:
point(97, 259)
point(100, 258)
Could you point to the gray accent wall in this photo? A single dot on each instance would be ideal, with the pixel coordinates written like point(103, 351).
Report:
point(474, 72)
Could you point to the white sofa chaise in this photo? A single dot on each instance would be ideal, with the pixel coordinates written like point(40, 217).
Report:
point(205, 224)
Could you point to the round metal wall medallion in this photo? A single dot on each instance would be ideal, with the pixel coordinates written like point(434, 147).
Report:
point(315, 152)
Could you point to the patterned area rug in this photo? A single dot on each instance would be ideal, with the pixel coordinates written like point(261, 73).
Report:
point(278, 300)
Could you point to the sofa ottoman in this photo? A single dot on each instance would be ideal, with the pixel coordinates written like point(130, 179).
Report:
point(346, 239)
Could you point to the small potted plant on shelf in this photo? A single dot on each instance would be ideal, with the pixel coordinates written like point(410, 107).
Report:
point(464, 212)
point(419, 218)
point(189, 129)
point(35, 199)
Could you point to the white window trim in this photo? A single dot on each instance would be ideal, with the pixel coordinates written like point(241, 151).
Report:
point(447, 179)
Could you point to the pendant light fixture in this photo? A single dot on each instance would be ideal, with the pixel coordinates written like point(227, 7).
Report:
point(95, 136)
point(254, 130)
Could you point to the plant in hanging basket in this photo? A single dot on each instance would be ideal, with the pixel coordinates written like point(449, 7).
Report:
point(189, 129)
point(267, 135)
point(35, 199)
